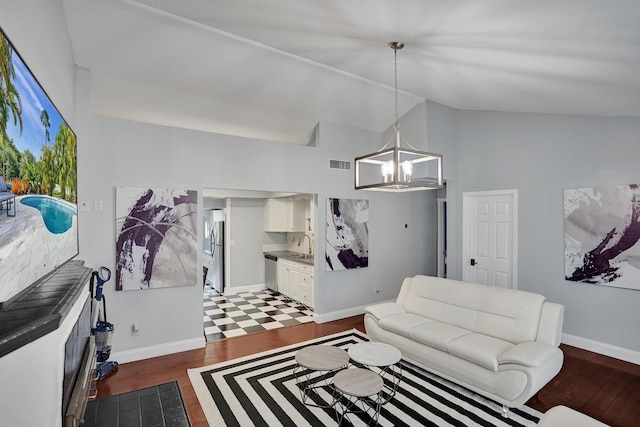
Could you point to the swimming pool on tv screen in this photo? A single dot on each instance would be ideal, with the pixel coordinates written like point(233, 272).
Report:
point(57, 214)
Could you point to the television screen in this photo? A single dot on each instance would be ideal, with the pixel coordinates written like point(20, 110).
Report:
point(38, 189)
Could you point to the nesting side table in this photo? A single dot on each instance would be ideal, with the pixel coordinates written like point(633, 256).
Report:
point(315, 368)
point(384, 359)
point(359, 392)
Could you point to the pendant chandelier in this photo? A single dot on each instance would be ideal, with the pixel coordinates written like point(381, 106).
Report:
point(397, 168)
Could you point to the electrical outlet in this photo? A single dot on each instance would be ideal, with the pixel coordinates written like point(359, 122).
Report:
point(377, 289)
point(135, 330)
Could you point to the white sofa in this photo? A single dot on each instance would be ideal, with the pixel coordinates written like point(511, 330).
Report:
point(500, 343)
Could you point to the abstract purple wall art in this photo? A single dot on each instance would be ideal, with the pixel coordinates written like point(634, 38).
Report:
point(156, 238)
point(347, 236)
point(601, 234)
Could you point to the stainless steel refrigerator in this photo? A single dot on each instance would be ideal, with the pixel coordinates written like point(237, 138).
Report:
point(215, 242)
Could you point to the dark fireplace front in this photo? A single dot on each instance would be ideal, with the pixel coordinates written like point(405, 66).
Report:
point(78, 386)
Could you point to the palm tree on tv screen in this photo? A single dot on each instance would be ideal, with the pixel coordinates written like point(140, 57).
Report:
point(10, 103)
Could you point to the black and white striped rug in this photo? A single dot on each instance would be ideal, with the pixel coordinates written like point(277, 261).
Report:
point(261, 390)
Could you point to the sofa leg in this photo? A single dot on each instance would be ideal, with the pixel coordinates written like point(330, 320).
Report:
point(505, 411)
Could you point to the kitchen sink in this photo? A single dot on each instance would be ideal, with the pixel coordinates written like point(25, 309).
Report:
point(300, 256)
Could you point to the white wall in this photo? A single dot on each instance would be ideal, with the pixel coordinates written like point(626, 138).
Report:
point(246, 221)
point(118, 153)
point(540, 155)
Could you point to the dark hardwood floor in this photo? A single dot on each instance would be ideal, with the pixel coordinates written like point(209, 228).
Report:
point(604, 388)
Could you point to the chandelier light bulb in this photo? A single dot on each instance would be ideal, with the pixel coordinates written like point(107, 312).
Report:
point(387, 171)
point(407, 170)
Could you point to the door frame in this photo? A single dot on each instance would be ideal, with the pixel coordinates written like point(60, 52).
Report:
point(442, 233)
point(467, 203)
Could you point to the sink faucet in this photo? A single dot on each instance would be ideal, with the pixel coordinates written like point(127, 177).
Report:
point(302, 238)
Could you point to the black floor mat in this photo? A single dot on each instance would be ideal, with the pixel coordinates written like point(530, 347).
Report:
point(157, 406)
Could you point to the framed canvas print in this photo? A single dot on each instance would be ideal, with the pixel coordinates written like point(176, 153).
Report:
point(156, 238)
point(347, 236)
point(602, 230)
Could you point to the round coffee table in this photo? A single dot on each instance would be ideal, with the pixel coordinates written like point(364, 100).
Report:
point(315, 368)
point(359, 392)
point(381, 358)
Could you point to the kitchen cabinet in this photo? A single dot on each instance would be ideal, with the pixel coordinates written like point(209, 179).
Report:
point(305, 290)
point(295, 280)
point(288, 278)
point(284, 214)
point(283, 277)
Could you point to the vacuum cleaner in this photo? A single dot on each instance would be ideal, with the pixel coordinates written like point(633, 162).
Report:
point(103, 330)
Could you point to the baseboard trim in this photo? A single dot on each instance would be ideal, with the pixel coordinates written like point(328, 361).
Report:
point(602, 348)
point(341, 314)
point(337, 315)
point(158, 350)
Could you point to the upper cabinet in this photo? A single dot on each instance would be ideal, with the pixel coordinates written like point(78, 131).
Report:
point(285, 214)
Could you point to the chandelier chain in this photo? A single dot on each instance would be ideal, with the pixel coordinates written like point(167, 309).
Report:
point(395, 82)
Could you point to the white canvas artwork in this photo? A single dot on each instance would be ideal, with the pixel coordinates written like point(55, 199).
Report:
point(156, 240)
point(347, 236)
point(602, 230)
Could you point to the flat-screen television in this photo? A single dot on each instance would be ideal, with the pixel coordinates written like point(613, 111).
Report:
point(38, 190)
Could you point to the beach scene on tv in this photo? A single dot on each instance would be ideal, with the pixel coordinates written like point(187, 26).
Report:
point(38, 179)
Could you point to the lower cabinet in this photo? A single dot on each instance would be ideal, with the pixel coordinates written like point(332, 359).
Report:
point(306, 285)
point(295, 280)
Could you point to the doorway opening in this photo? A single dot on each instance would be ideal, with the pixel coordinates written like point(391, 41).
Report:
point(442, 237)
point(236, 299)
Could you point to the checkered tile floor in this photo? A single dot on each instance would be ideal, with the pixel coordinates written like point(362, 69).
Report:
point(228, 316)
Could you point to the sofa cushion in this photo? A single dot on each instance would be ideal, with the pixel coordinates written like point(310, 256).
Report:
point(402, 323)
point(436, 334)
point(480, 349)
point(507, 314)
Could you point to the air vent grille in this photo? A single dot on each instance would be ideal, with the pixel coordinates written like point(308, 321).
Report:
point(339, 164)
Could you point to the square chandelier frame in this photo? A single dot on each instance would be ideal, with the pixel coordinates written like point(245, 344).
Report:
point(397, 181)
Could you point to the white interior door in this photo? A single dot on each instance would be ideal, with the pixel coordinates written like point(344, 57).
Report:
point(490, 238)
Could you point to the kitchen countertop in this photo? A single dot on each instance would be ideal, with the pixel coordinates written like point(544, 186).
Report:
point(291, 256)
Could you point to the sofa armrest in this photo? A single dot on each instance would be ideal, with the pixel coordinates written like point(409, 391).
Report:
point(550, 327)
point(530, 354)
point(385, 309)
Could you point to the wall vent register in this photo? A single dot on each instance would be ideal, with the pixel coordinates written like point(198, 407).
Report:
point(339, 164)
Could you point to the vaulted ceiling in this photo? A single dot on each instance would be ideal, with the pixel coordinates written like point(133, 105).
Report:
point(273, 69)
